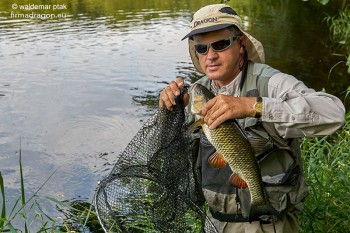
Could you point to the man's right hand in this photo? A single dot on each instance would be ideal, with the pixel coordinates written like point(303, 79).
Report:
point(168, 94)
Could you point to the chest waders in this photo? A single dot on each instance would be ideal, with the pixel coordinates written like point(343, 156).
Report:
point(279, 160)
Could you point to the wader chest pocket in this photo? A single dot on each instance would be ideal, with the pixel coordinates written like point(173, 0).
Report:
point(278, 167)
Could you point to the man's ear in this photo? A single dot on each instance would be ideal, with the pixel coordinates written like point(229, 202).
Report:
point(242, 43)
point(242, 40)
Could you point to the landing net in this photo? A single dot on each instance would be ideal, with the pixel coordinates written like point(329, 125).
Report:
point(153, 186)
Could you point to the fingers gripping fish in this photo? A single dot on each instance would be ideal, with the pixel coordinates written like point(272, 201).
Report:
point(233, 147)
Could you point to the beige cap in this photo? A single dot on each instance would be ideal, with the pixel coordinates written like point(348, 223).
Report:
point(215, 17)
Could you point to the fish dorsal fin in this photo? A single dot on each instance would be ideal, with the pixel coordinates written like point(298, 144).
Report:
point(237, 181)
point(217, 160)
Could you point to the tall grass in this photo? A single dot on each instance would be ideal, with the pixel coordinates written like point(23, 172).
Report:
point(327, 168)
point(339, 27)
point(28, 213)
point(21, 207)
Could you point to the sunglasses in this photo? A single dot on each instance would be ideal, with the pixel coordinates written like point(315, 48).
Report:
point(217, 46)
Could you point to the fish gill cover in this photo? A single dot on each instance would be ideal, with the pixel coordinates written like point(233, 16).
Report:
point(153, 187)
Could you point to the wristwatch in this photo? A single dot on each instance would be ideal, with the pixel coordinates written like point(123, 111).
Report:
point(258, 107)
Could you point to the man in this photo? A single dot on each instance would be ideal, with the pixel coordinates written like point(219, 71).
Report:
point(274, 109)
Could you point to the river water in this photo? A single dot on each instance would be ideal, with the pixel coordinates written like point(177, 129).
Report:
point(77, 83)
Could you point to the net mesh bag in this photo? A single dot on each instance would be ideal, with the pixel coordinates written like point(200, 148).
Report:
point(153, 186)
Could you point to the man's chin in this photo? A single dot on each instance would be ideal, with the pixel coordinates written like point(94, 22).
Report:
point(213, 77)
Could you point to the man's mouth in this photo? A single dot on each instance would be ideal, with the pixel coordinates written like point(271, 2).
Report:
point(213, 67)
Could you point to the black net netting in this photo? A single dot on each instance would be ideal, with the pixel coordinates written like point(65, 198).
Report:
point(152, 187)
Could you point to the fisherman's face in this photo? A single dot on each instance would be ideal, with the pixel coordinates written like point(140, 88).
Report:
point(222, 66)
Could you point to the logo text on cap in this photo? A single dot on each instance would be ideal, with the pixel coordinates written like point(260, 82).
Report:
point(208, 20)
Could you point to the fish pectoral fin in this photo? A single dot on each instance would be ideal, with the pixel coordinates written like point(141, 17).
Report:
point(196, 125)
point(237, 181)
point(217, 160)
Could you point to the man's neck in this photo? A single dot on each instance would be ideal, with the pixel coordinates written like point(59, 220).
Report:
point(231, 88)
point(227, 82)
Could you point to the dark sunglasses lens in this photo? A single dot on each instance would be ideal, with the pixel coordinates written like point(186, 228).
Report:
point(201, 48)
point(220, 45)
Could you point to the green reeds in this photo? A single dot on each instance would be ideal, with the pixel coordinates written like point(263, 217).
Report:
point(23, 194)
point(327, 168)
point(19, 208)
point(27, 211)
point(3, 208)
point(339, 27)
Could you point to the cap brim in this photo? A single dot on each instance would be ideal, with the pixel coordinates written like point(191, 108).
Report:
point(207, 29)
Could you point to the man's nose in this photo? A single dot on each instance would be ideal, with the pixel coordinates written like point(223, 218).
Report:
point(212, 54)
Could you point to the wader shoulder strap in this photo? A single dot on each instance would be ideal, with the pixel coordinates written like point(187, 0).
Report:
point(256, 83)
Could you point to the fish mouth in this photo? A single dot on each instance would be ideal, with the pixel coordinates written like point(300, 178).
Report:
point(199, 89)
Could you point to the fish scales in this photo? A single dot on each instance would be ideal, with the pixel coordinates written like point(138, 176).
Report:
point(231, 143)
point(239, 155)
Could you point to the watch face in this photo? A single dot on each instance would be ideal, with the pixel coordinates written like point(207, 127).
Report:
point(258, 107)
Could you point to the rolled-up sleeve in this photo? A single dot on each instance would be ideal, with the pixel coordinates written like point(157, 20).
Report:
point(299, 111)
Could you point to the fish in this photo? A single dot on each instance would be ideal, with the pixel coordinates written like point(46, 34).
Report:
point(232, 148)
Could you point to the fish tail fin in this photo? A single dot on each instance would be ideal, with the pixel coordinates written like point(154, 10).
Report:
point(264, 209)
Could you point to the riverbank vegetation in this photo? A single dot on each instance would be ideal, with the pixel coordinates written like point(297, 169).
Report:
point(340, 42)
point(326, 164)
point(327, 159)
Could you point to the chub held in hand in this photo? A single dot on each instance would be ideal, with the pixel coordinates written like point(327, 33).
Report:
point(233, 147)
